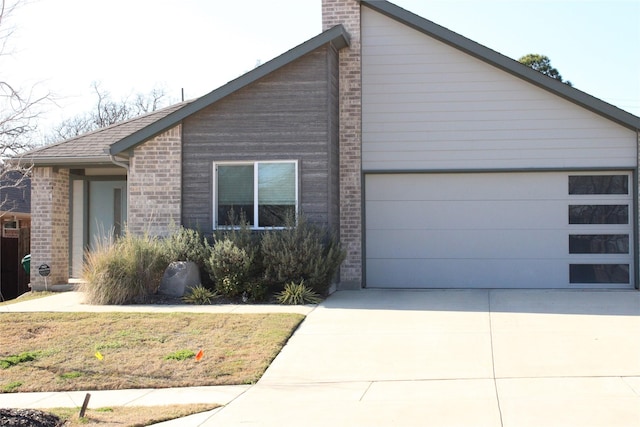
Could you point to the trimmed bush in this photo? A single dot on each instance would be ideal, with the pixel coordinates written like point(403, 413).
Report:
point(228, 266)
point(184, 244)
point(301, 252)
point(125, 270)
point(248, 240)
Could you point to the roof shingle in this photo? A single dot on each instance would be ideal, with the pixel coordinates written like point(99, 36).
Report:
point(95, 145)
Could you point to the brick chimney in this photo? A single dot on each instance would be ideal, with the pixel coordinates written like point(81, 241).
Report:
point(347, 13)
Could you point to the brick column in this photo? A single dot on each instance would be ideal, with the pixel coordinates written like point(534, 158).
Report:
point(155, 184)
point(49, 225)
point(347, 13)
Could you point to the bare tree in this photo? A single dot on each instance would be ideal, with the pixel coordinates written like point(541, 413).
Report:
point(19, 112)
point(19, 108)
point(107, 112)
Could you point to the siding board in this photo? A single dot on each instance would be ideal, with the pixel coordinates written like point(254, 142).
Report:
point(288, 115)
point(428, 106)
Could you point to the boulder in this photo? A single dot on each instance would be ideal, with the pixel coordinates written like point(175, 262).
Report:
point(179, 278)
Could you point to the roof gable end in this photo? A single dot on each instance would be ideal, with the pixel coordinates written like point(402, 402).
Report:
point(337, 35)
point(504, 63)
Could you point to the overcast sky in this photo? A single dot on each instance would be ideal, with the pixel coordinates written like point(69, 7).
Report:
point(131, 46)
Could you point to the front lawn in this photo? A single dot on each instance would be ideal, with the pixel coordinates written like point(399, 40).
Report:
point(106, 351)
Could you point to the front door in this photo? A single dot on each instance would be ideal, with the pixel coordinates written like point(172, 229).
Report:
point(99, 212)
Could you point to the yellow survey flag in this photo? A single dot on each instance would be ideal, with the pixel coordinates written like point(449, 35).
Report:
point(99, 355)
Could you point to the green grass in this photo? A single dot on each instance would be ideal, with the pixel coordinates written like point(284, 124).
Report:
point(12, 386)
point(180, 355)
point(70, 375)
point(13, 360)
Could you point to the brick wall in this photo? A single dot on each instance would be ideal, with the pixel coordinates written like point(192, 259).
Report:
point(49, 225)
point(154, 184)
point(347, 13)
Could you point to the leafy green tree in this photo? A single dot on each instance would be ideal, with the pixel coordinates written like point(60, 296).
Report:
point(542, 64)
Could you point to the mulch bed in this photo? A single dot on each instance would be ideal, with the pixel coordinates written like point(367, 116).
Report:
point(28, 418)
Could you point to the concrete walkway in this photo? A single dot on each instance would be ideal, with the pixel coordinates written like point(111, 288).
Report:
point(450, 358)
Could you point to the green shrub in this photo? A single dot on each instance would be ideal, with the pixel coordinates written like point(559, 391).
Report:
point(246, 239)
point(296, 294)
point(184, 244)
point(228, 266)
point(300, 252)
point(256, 291)
point(124, 271)
point(200, 295)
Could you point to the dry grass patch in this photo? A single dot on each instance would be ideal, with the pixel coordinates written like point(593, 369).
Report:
point(127, 415)
point(107, 351)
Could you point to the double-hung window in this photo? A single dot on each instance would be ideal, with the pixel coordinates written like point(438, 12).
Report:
point(262, 193)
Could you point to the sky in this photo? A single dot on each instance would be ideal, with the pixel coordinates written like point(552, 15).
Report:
point(132, 46)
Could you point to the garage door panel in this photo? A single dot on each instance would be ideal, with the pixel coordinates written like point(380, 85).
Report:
point(456, 187)
point(466, 244)
point(457, 273)
point(496, 230)
point(489, 214)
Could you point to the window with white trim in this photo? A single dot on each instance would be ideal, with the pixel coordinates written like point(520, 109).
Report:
point(264, 193)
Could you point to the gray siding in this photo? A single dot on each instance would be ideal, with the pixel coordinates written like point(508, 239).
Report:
point(285, 116)
point(429, 106)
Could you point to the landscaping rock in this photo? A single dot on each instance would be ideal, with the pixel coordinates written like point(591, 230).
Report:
point(29, 418)
point(179, 278)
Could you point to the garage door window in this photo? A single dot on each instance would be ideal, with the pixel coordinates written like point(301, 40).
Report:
point(599, 273)
point(598, 184)
point(599, 244)
point(598, 214)
point(599, 241)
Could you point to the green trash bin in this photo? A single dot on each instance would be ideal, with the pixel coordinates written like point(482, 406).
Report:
point(26, 263)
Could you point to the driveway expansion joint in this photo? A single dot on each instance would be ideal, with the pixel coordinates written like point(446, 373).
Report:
point(366, 391)
point(493, 360)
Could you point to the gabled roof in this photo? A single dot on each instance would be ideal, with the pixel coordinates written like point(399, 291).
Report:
point(337, 36)
point(93, 147)
point(98, 147)
point(504, 63)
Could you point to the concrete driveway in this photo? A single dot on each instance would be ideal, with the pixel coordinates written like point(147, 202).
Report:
point(454, 358)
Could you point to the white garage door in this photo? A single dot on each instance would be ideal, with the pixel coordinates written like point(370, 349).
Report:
point(499, 230)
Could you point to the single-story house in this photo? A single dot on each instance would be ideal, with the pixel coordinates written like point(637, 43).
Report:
point(439, 162)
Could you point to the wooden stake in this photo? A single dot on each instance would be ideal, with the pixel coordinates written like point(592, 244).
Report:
point(85, 404)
